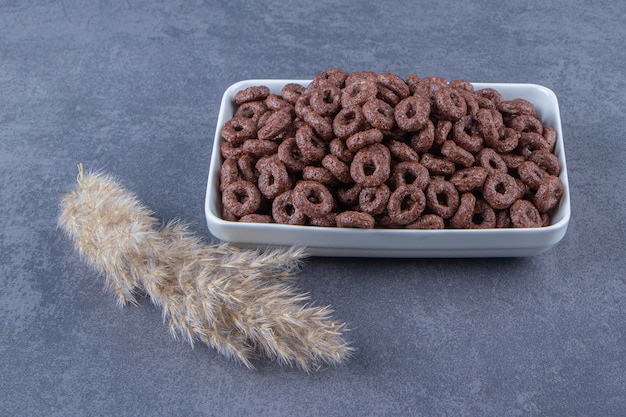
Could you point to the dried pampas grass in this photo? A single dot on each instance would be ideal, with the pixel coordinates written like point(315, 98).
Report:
point(241, 302)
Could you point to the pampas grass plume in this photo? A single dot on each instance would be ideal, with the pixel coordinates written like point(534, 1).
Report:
point(241, 302)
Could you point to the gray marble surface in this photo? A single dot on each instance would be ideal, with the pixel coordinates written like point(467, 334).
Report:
point(133, 88)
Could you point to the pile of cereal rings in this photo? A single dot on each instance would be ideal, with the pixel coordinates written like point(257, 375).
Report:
point(368, 150)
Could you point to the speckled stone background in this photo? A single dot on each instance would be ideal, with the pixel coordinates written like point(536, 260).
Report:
point(133, 88)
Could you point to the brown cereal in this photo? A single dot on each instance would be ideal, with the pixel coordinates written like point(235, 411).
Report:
point(238, 129)
point(253, 93)
point(371, 165)
point(291, 92)
point(379, 114)
point(424, 139)
point(484, 216)
point(523, 213)
point(442, 198)
point(402, 152)
point(252, 110)
point(312, 198)
point(406, 204)
point(465, 137)
point(348, 121)
point(410, 173)
point(469, 179)
point(241, 198)
point(449, 104)
point(311, 146)
point(319, 174)
point(229, 173)
point(457, 154)
point(548, 194)
point(284, 212)
point(338, 168)
point(290, 155)
point(531, 174)
point(465, 212)
point(257, 218)
point(437, 166)
point(273, 179)
point(546, 160)
point(275, 125)
point(412, 113)
point(259, 147)
point(340, 150)
point(364, 138)
point(322, 125)
point(326, 99)
point(427, 221)
point(355, 219)
point(500, 190)
point(358, 92)
point(491, 161)
point(374, 150)
point(373, 200)
point(247, 168)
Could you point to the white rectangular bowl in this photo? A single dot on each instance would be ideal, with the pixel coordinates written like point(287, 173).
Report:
point(394, 243)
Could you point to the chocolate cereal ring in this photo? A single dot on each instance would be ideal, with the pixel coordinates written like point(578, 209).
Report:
point(410, 173)
point(449, 104)
point(394, 83)
point(465, 212)
point(427, 222)
point(442, 132)
point(229, 173)
point(549, 134)
point(379, 114)
point(338, 168)
point(500, 190)
point(318, 174)
point(275, 125)
point(333, 76)
point(484, 216)
point(326, 99)
point(273, 179)
point(256, 218)
point(247, 168)
point(402, 152)
point(291, 92)
point(457, 154)
point(284, 211)
point(312, 198)
point(412, 113)
point(238, 129)
point(406, 204)
point(491, 161)
point(355, 219)
point(423, 140)
point(465, 137)
point(531, 174)
point(348, 195)
point(442, 198)
point(437, 166)
point(364, 138)
point(546, 160)
point(526, 123)
point(311, 146)
point(469, 179)
point(340, 150)
point(322, 125)
point(253, 93)
point(348, 121)
point(290, 155)
point(516, 107)
point(252, 110)
point(490, 94)
point(523, 213)
point(241, 198)
point(275, 102)
point(358, 92)
point(373, 200)
point(548, 194)
point(327, 220)
point(371, 165)
point(230, 150)
point(259, 147)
